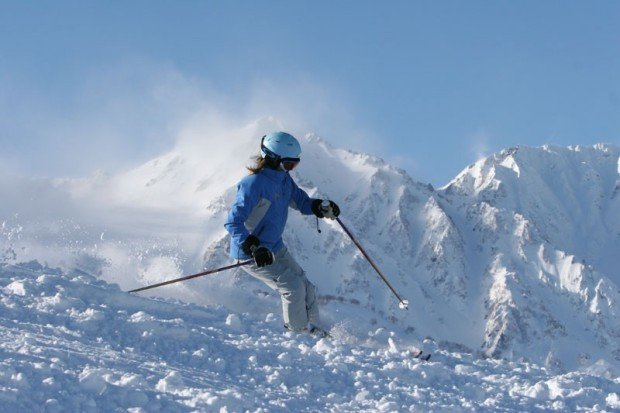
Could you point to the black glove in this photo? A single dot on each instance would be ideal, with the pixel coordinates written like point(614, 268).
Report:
point(250, 244)
point(325, 209)
point(263, 256)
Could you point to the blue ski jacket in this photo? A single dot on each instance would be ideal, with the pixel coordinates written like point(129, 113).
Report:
point(261, 209)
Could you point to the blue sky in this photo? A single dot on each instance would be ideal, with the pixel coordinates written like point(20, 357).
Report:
point(428, 85)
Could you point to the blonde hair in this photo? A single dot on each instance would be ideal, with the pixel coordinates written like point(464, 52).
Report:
point(259, 164)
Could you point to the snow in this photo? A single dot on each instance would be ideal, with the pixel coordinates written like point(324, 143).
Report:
point(131, 352)
point(510, 272)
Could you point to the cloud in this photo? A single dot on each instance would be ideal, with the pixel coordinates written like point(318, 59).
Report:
point(127, 113)
point(479, 144)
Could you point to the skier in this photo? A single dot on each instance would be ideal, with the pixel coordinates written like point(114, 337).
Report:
point(256, 222)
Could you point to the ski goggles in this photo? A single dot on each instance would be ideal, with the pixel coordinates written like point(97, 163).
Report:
point(289, 163)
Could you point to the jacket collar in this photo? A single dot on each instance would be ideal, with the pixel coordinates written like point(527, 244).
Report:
point(273, 174)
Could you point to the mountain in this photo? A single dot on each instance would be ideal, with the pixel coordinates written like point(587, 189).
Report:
point(543, 224)
point(514, 258)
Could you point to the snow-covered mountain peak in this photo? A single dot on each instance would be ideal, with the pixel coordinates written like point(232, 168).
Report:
point(547, 222)
point(530, 165)
point(551, 186)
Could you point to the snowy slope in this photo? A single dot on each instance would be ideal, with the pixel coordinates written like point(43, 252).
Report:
point(71, 342)
point(515, 258)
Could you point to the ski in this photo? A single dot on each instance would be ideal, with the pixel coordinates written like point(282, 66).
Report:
point(319, 333)
point(419, 354)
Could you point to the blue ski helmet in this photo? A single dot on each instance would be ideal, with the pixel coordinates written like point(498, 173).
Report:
point(280, 146)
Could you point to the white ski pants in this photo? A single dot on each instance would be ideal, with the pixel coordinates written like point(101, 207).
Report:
point(297, 293)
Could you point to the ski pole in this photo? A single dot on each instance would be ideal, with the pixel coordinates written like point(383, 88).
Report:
point(189, 277)
point(402, 304)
